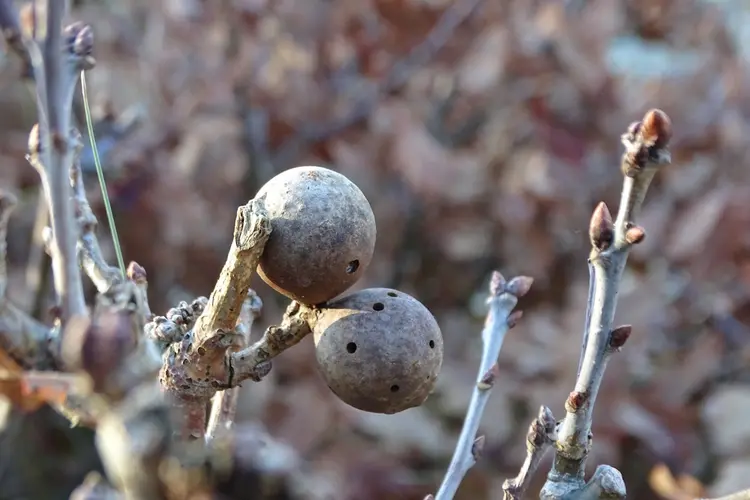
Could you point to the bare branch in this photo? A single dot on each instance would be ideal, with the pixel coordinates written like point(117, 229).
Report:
point(197, 366)
point(503, 298)
point(254, 362)
point(645, 151)
point(251, 231)
point(56, 67)
point(224, 404)
point(539, 439)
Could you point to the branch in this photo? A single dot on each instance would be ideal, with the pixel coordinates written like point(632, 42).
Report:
point(539, 439)
point(253, 362)
point(197, 366)
point(224, 404)
point(251, 231)
point(56, 75)
point(645, 152)
point(500, 318)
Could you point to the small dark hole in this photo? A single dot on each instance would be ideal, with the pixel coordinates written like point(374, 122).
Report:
point(432, 344)
point(392, 294)
point(352, 267)
point(378, 306)
point(351, 347)
point(394, 388)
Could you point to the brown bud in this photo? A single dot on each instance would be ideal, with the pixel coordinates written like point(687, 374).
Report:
point(656, 129)
point(575, 401)
point(536, 436)
point(635, 235)
point(601, 228)
point(488, 379)
point(478, 448)
point(83, 45)
point(136, 273)
point(619, 336)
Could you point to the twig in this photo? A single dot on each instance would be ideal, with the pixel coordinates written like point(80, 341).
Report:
point(224, 404)
point(56, 75)
point(21, 336)
point(500, 318)
point(645, 151)
point(197, 367)
point(539, 439)
point(90, 255)
point(253, 362)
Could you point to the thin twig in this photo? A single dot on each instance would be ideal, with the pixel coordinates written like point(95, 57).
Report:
point(197, 365)
point(253, 361)
point(21, 336)
point(500, 318)
point(539, 439)
point(58, 157)
point(90, 255)
point(224, 403)
point(645, 151)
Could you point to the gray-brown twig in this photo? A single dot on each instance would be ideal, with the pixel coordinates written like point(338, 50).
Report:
point(224, 403)
point(21, 336)
point(645, 151)
point(89, 254)
point(500, 318)
point(539, 439)
point(196, 366)
point(56, 76)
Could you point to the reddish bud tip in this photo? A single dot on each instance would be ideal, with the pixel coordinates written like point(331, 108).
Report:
point(488, 379)
point(601, 227)
point(635, 235)
point(575, 401)
point(656, 128)
point(619, 336)
point(519, 286)
point(136, 273)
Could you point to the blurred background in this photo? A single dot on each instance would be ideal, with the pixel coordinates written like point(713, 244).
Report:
point(483, 133)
